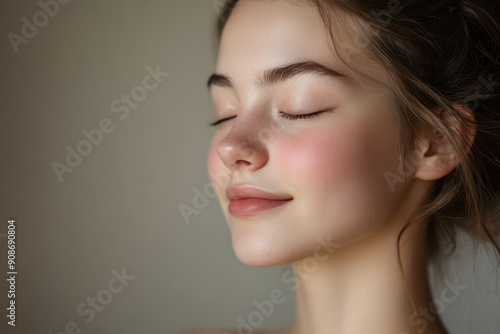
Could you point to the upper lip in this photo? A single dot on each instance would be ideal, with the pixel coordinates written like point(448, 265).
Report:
point(247, 191)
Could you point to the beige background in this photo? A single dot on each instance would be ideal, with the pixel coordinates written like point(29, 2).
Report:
point(119, 208)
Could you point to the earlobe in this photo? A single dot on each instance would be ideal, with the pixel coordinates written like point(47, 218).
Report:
point(436, 152)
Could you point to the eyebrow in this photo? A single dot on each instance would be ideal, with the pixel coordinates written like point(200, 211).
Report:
point(281, 73)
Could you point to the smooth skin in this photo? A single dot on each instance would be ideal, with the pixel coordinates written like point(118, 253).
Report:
point(334, 166)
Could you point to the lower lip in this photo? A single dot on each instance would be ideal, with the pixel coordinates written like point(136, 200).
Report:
point(252, 206)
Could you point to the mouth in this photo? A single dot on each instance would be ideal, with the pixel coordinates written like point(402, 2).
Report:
point(252, 206)
point(248, 200)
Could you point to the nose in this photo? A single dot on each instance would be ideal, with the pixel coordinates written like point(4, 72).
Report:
point(243, 147)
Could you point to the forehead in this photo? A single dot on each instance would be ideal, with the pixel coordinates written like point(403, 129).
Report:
point(264, 34)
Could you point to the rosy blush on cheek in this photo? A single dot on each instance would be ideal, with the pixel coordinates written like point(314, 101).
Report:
point(320, 155)
point(335, 179)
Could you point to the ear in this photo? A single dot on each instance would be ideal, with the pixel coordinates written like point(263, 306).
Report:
point(436, 154)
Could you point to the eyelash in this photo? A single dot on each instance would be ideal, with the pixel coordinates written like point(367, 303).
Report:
point(300, 116)
point(282, 115)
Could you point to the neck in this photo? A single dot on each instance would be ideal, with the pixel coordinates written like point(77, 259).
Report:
point(360, 288)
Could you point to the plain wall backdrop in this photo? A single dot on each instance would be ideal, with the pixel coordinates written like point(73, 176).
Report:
point(111, 229)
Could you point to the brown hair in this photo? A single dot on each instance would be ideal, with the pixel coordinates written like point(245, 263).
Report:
point(440, 54)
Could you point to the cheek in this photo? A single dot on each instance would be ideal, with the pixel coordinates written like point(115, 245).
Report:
point(338, 177)
point(321, 156)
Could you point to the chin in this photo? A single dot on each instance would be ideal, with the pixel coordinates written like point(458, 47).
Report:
point(267, 247)
point(257, 253)
point(259, 258)
point(260, 250)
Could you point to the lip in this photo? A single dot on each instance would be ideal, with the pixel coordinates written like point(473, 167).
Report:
point(248, 200)
point(246, 191)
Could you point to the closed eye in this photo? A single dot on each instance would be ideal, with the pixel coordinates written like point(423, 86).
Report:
point(282, 115)
point(220, 121)
point(300, 116)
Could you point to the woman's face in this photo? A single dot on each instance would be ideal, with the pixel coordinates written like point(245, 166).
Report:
point(333, 166)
